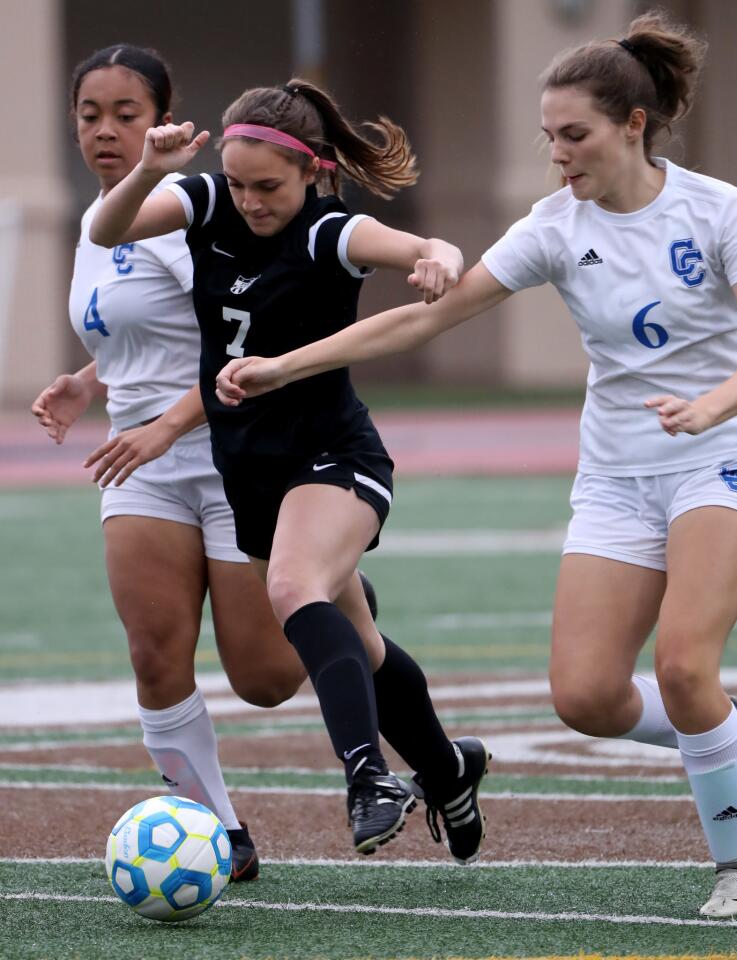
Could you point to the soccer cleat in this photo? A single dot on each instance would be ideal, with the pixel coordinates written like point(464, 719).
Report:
point(377, 806)
point(723, 900)
point(462, 818)
point(368, 589)
point(245, 858)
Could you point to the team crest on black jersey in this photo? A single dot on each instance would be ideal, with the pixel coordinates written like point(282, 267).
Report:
point(242, 284)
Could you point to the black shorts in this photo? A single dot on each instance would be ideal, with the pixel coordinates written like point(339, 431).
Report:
point(361, 464)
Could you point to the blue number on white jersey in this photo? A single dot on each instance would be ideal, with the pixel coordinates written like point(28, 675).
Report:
point(684, 258)
point(649, 334)
point(120, 256)
point(92, 319)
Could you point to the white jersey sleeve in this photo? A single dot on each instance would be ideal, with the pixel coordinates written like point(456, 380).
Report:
point(132, 309)
point(519, 259)
point(651, 292)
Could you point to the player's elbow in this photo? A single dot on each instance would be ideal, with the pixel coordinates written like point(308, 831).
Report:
point(100, 237)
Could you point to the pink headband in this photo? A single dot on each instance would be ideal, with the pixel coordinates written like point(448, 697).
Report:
point(270, 135)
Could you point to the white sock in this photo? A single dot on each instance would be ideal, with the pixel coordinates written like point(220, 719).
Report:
point(182, 743)
point(710, 760)
point(653, 726)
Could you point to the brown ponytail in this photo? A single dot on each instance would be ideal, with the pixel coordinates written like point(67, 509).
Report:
point(306, 112)
point(654, 66)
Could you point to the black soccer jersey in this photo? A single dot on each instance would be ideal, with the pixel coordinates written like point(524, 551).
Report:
point(264, 296)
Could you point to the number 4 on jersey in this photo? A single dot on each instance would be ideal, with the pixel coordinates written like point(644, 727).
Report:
point(92, 319)
point(236, 348)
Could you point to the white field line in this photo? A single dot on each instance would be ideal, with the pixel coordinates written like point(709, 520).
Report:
point(39, 705)
point(331, 771)
point(421, 864)
point(339, 792)
point(464, 913)
point(443, 543)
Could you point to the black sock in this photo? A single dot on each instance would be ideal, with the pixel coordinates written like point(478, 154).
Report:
point(407, 719)
point(332, 651)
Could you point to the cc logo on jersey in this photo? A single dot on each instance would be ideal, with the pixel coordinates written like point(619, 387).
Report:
point(684, 262)
point(120, 256)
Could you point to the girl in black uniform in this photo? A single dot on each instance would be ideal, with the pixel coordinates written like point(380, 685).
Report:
point(278, 265)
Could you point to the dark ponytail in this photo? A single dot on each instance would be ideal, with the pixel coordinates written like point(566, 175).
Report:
point(149, 66)
point(654, 66)
point(308, 113)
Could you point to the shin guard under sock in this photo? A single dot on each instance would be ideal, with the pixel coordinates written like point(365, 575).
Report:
point(334, 656)
point(407, 718)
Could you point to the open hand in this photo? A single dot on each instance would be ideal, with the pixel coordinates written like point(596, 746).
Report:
point(119, 457)
point(60, 404)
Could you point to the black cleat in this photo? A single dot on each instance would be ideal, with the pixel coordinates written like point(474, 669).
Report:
point(368, 589)
point(377, 806)
point(459, 809)
point(245, 858)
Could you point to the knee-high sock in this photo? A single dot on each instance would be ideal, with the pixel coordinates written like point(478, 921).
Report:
point(333, 653)
point(182, 743)
point(653, 726)
point(407, 719)
point(710, 760)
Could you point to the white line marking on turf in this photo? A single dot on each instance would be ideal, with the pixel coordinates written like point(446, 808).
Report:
point(420, 864)
point(340, 792)
point(460, 913)
point(442, 543)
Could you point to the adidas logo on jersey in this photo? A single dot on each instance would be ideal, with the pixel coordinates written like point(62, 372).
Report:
point(729, 813)
point(590, 258)
point(242, 284)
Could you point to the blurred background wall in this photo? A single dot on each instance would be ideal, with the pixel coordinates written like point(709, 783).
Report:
point(461, 77)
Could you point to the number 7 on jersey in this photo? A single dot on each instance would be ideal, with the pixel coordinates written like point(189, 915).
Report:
point(235, 348)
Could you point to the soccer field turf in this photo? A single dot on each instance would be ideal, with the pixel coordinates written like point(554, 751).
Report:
point(592, 846)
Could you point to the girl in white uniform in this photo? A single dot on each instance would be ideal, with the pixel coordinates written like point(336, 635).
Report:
point(169, 532)
point(645, 255)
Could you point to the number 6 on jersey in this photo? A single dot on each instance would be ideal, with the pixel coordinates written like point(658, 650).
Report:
point(235, 349)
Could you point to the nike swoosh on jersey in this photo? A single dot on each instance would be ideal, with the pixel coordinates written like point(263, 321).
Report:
point(225, 253)
point(323, 466)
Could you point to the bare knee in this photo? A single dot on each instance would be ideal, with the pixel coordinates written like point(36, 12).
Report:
point(287, 592)
point(271, 688)
point(161, 669)
point(593, 711)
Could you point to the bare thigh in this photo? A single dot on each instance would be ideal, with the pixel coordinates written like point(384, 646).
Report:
point(262, 666)
point(158, 580)
point(604, 612)
point(320, 537)
point(698, 612)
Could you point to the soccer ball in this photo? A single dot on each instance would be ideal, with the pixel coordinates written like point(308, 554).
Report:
point(168, 858)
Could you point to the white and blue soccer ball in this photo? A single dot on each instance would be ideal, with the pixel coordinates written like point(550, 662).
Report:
point(168, 858)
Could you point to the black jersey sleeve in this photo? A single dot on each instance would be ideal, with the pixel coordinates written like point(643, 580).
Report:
point(197, 196)
point(327, 241)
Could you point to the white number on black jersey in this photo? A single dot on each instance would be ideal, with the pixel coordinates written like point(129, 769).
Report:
point(236, 348)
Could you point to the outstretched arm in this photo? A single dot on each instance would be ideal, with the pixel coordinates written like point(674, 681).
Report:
point(128, 213)
point(393, 331)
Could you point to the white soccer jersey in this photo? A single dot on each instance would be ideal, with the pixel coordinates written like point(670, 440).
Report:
point(651, 294)
point(132, 309)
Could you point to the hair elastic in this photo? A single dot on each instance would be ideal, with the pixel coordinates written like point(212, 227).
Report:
point(278, 137)
point(629, 47)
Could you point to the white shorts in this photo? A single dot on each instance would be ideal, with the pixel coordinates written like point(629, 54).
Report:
point(184, 486)
point(627, 518)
